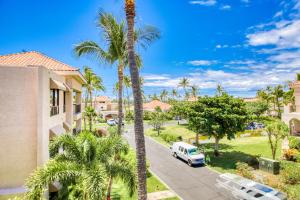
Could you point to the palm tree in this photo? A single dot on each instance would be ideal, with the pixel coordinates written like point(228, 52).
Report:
point(138, 102)
point(93, 83)
point(90, 113)
point(195, 91)
point(127, 84)
point(174, 93)
point(184, 83)
point(85, 168)
point(163, 95)
point(115, 37)
point(219, 90)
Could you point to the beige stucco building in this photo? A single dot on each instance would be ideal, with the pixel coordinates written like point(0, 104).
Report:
point(40, 99)
point(291, 113)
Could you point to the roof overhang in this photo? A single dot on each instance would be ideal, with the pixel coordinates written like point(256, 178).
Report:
point(76, 73)
point(54, 84)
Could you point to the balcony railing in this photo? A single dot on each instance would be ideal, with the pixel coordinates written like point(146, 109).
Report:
point(54, 110)
point(77, 108)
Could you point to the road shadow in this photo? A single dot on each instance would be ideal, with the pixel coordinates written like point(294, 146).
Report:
point(194, 166)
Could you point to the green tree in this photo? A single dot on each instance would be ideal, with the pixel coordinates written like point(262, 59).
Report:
point(84, 168)
point(90, 114)
point(277, 130)
point(174, 93)
point(93, 83)
point(114, 35)
point(257, 109)
point(184, 83)
point(195, 91)
point(217, 117)
point(164, 95)
point(158, 118)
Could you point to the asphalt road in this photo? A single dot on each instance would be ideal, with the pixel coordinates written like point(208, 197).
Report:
point(190, 183)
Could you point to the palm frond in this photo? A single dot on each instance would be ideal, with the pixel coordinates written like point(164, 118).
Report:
point(146, 36)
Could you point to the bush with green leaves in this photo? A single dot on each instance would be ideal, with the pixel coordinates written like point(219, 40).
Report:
point(129, 116)
point(168, 137)
point(294, 142)
point(243, 169)
point(147, 115)
point(290, 172)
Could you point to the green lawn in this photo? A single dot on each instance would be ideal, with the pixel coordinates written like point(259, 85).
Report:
point(240, 149)
point(176, 130)
point(232, 151)
point(11, 197)
point(153, 185)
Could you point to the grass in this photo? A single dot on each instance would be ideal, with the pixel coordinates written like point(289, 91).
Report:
point(232, 151)
point(10, 197)
point(153, 185)
point(176, 130)
point(240, 149)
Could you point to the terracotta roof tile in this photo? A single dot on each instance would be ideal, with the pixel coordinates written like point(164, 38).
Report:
point(156, 103)
point(34, 58)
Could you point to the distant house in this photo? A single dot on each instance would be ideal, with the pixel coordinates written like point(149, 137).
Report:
point(250, 99)
point(291, 113)
point(40, 99)
point(105, 107)
point(156, 103)
point(192, 99)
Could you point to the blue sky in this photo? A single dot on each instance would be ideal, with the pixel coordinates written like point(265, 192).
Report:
point(242, 44)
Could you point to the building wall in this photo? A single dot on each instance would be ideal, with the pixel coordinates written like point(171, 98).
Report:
point(18, 124)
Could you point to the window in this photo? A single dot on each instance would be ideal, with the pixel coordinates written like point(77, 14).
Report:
point(185, 151)
point(64, 107)
point(258, 195)
point(54, 102)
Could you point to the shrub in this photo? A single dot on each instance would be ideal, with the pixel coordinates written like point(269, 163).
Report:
point(253, 161)
point(294, 142)
point(129, 116)
point(291, 154)
point(101, 120)
point(293, 191)
point(147, 115)
point(168, 137)
point(243, 169)
point(290, 172)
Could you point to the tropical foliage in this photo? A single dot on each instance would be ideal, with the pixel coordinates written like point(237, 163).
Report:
point(85, 168)
point(114, 34)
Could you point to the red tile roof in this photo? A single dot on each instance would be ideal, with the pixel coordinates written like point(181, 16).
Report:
point(156, 103)
point(34, 58)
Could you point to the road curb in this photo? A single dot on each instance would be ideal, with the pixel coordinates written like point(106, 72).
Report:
point(153, 174)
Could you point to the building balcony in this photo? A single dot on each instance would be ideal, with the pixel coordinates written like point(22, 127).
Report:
point(77, 108)
point(54, 110)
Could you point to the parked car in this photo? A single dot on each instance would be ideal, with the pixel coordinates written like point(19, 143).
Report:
point(117, 121)
point(187, 152)
point(243, 188)
point(111, 122)
point(255, 125)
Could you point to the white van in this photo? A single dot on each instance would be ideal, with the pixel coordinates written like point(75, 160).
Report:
point(187, 152)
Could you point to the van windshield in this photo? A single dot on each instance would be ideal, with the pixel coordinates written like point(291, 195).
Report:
point(194, 151)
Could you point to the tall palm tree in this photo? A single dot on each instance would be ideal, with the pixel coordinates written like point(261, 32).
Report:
point(127, 84)
point(85, 168)
point(219, 90)
point(114, 34)
point(90, 114)
point(184, 83)
point(195, 91)
point(138, 102)
point(93, 83)
point(174, 93)
point(163, 95)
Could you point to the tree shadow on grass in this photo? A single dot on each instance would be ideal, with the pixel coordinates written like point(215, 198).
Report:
point(227, 159)
point(210, 146)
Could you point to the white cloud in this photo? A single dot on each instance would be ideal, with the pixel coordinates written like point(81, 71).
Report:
point(286, 36)
point(155, 77)
point(204, 2)
point(225, 7)
point(202, 62)
point(219, 46)
point(245, 1)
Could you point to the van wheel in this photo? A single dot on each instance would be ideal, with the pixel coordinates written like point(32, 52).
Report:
point(190, 163)
point(175, 155)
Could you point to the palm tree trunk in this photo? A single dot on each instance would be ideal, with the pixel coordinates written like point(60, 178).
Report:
point(120, 97)
point(138, 103)
point(85, 105)
point(91, 119)
point(110, 182)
